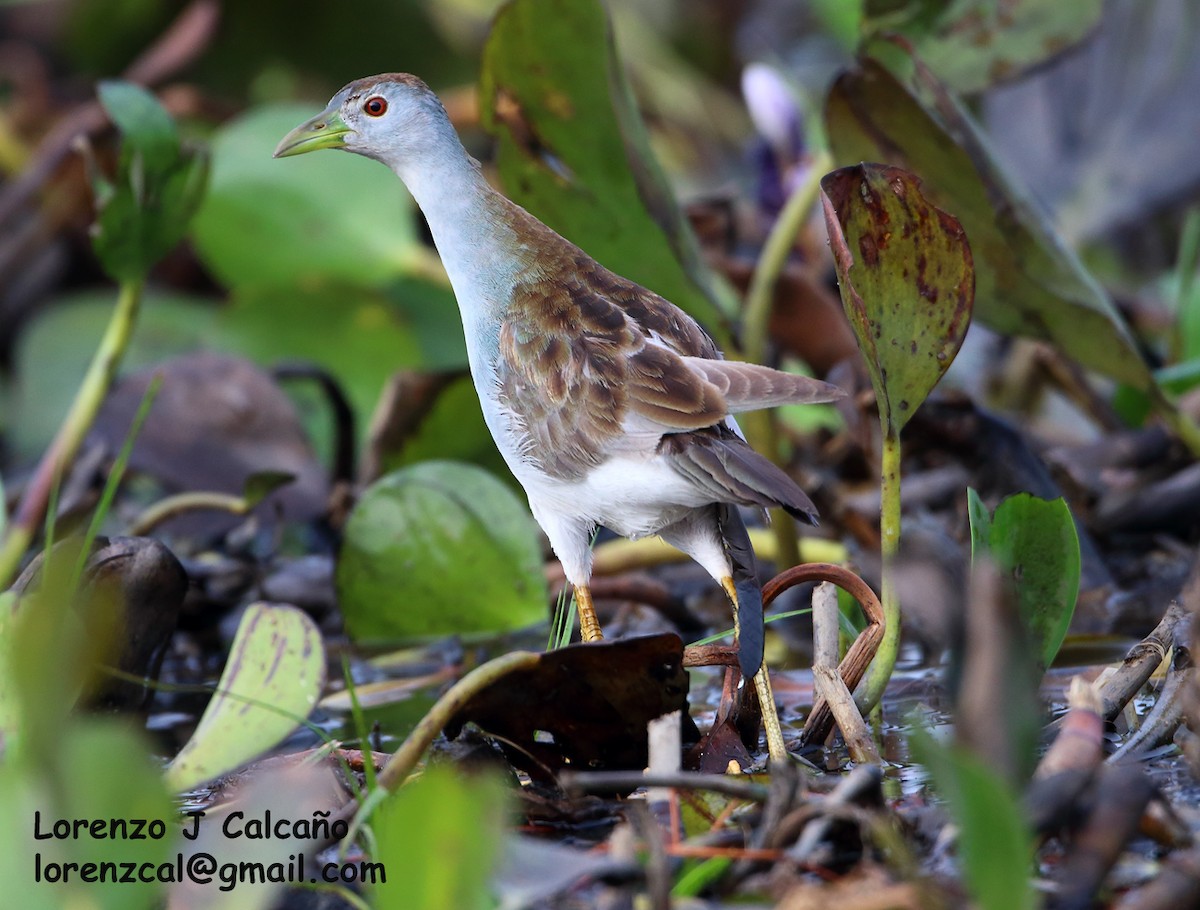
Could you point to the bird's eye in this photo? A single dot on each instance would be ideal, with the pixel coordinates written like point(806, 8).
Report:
point(376, 106)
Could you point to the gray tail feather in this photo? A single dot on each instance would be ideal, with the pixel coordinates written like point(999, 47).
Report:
point(749, 591)
point(725, 467)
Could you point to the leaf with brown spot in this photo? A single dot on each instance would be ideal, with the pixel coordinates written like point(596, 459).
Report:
point(972, 46)
point(907, 281)
point(1028, 282)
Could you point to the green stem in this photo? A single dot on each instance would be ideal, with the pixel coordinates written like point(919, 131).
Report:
point(1184, 427)
point(761, 429)
point(404, 760)
point(172, 506)
point(774, 256)
point(66, 444)
point(889, 533)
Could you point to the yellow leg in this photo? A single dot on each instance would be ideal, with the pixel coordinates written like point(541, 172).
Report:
point(762, 687)
point(589, 625)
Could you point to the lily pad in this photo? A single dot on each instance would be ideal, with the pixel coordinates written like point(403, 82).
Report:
point(440, 548)
point(906, 277)
point(274, 676)
point(574, 151)
point(1027, 282)
point(316, 218)
point(1033, 542)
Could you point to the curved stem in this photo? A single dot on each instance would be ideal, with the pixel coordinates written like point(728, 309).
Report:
point(404, 759)
point(774, 256)
point(171, 506)
point(71, 432)
point(761, 429)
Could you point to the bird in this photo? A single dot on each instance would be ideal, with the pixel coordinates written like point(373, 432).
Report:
point(610, 405)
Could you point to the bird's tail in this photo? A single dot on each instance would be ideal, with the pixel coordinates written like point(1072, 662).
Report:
point(749, 592)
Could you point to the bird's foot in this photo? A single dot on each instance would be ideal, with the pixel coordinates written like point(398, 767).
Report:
point(589, 625)
point(762, 687)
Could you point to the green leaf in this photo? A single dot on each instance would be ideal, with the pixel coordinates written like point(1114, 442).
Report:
point(907, 281)
point(574, 151)
point(274, 675)
point(1034, 543)
point(439, 548)
point(975, 44)
point(260, 485)
point(98, 770)
point(353, 332)
point(994, 840)
point(146, 128)
point(439, 839)
point(144, 211)
point(981, 525)
point(313, 218)
point(1027, 282)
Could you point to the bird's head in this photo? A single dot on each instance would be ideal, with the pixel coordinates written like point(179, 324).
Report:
point(393, 118)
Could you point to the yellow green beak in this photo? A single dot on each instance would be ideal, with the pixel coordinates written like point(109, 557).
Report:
point(327, 130)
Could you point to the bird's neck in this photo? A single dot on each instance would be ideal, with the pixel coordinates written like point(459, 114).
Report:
point(482, 238)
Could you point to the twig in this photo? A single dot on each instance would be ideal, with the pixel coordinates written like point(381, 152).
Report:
point(1142, 660)
point(829, 684)
point(862, 652)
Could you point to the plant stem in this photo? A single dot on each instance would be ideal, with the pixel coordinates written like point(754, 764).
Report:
point(171, 506)
point(774, 256)
point(71, 432)
point(1184, 427)
point(889, 533)
point(404, 760)
point(761, 429)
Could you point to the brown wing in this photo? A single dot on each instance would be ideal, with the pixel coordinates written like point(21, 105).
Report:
point(580, 357)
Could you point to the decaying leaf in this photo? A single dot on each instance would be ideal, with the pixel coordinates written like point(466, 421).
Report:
point(907, 281)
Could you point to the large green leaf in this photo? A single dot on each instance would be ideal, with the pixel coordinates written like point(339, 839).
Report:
point(994, 840)
point(439, 840)
point(144, 211)
point(907, 282)
point(313, 218)
point(1033, 542)
point(973, 44)
point(98, 770)
point(1027, 282)
point(354, 332)
point(574, 151)
point(439, 548)
point(274, 675)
